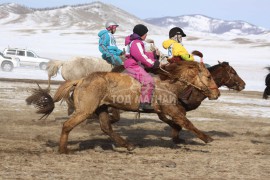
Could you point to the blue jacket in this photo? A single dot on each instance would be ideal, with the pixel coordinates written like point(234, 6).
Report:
point(107, 44)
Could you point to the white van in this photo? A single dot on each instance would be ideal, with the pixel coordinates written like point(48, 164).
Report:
point(27, 57)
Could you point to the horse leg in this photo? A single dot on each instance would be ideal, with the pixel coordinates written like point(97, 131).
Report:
point(49, 82)
point(106, 127)
point(70, 103)
point(175, 128)
point(180, 119)
point(114, 115)
point(76, 119)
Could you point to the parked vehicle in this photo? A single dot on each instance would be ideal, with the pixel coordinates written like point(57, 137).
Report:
point(8, 63)
point(27, 57)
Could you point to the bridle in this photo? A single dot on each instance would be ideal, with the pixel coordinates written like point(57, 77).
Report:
point(230, 77)
point(181, 79)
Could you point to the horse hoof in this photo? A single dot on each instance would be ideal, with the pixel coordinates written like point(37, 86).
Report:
point(179, 141)
point(208, 139)
point(130, 147)
point(63, 151)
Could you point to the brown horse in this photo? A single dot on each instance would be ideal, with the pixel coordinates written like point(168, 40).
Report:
point(223, 74)
point(191, 98)
point(99, 90)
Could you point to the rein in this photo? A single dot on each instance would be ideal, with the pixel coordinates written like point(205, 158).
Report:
point(230, 77)
point(185, 81)
point(207, 88)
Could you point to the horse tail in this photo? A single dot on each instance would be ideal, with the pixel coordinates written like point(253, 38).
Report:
point(42, 101)
point(63, 92)
point(53, 68)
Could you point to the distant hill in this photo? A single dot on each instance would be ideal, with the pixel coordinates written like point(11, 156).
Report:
point(89, 17)
point(206, 24)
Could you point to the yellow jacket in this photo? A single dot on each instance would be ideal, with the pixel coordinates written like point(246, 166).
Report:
point(177, 49)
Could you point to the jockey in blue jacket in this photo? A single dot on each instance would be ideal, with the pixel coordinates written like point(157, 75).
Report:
point(107, 44)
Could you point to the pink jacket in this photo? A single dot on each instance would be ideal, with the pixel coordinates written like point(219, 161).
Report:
point(137, 53)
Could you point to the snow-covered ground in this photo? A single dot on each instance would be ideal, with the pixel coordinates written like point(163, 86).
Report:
point(248, 60)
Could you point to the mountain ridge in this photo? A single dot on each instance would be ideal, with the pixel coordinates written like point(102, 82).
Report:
point(206, 24)
point(92, 17)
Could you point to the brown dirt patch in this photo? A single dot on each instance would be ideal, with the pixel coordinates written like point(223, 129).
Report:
point(28, 146)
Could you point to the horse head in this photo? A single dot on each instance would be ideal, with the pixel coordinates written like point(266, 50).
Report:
point(227, 76)
point(196, 75)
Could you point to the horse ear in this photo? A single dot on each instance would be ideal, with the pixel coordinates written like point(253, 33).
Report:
point(219, 62)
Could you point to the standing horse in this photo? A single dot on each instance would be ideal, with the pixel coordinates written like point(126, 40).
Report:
point(266, 92)
point(99, 90)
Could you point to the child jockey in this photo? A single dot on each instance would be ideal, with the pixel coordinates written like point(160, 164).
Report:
point(137, 60)
point(176, 51)
point(107, 44)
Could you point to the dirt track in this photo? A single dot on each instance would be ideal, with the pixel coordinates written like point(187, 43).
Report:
point(28, 146)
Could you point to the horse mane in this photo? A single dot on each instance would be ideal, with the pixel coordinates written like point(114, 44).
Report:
point(169, 71)
point(185, 67)
point(212, 68)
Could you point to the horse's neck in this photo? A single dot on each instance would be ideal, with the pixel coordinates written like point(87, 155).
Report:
point(217, 75)
point(196, 96)
point(193, 101)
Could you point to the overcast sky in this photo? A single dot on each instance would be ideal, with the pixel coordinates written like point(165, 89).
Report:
point(256, 12)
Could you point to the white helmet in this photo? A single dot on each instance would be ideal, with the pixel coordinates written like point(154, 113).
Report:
point(110, 23)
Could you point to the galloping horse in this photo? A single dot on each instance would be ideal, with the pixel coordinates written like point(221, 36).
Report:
point(191, 98)
point(266, 92)
point(223, 74)
point(100, 90)
point(76, 68)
